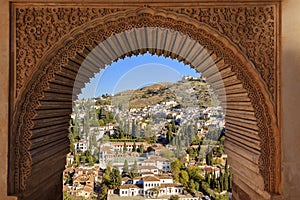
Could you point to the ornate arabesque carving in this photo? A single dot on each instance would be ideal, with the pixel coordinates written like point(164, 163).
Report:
point(251, 28)
point(39, 28)
point(97, 32)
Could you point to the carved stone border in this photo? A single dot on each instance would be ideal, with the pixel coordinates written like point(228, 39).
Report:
point(43, 71)
point(253, 28)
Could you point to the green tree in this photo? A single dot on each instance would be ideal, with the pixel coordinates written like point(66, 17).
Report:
point(107, 177)
point(195, 173)
point(176, 167)
point(169, 133)
point(174, 197)
point(226, 167)
point(218, 186)
point(101, 122)
point(169, 116)
point(226, 177)
point(67, 197)
point(225, 181)
point(72, 148)
point(134, 147)
point(101, 114)
point(213, 180)
point(142, 148)
point(116, 179)
point(104, 192)
point(192, 186)
point(77, 159)
point(125, 167)
point(221, 181)
point(208, 178)
point(118, 133)
point(209, 158)
point(135, 167)
point(124, 147)
point(197, 186)
point(133, 129)
point(183, 177)
point(134, 171)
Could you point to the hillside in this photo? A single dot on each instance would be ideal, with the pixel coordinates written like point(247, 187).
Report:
point(189, 92)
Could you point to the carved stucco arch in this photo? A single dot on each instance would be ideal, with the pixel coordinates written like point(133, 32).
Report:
point(76, 45)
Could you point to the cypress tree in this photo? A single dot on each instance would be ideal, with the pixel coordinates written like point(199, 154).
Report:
point(116, 179)
point(124, 147)
point(208, 178)
point(221, 181)
point(226, 177)
point(226, 181)
point(213, 181)
point(135, 168)
point(142, 148)
point(134, 147)
point(226, 167)
point(218, 185)
point(125, 167)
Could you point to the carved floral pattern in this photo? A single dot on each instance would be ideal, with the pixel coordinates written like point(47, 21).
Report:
point(252, 29)
point(34, 40)
point(39, 28)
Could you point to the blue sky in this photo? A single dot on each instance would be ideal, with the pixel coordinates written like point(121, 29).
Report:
point(135, 72)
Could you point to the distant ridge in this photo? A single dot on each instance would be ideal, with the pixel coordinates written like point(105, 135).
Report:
point(187, 92)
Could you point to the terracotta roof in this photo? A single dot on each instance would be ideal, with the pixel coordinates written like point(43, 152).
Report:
point(150, 178)
point(165, 177)
point(147, 173)
point(210, 169)
point(147, 167)
point(127, 186)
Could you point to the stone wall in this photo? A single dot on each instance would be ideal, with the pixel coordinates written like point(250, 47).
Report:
point(290, 99)
point(4, 93)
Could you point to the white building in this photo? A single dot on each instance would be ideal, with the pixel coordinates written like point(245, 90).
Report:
point(81, 146)
point(150, 183)
point(151, 186)
point(163, 164)
point(210, 170)
point(131, 190)
point(119, 146)
point(146, 169)
point(106, 154)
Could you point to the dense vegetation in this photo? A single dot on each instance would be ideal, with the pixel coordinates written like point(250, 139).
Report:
point(192, 179)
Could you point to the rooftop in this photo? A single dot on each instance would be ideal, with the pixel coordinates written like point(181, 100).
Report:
point(150, 178)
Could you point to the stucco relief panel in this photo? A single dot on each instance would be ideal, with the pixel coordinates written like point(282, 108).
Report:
point(252, 29)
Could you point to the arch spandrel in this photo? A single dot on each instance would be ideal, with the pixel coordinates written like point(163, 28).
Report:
point(74, 48)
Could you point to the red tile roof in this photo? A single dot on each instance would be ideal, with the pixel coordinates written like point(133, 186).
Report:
point(128, 186)
point(150, 179)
